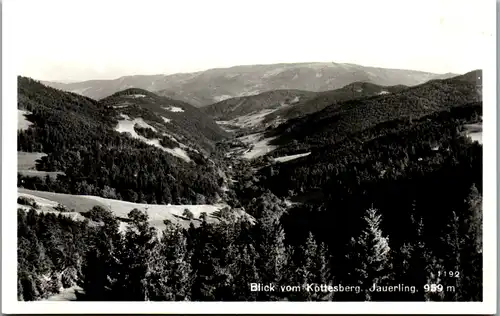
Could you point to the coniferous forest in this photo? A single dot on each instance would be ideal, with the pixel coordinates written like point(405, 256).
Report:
point(385, 206)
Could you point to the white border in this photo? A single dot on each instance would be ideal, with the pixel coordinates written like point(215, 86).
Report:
point(9, 286)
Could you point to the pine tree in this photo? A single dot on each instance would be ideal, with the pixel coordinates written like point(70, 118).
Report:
point(323, 274)
point(98, 269)
point(472, 248)
point(101, 261)
point(225, 270)
point(474, 218)
point(453, 258)
point(307, 270)
point(203, 263)
point(245, 272)
point(273, 255)
point(94, 280)
point(346, 266)
point(297, 273)
point(139, 240)
point(323, 263)
point(375, 267)
point(169, 276)
point(412, 267)
point(232, 251)
point(269, 239)
point(310, 266)
point(462, 262)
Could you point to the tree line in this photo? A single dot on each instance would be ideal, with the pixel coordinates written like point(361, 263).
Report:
point(220, 261)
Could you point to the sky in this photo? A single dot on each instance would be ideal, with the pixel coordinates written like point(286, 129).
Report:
point(72, 40)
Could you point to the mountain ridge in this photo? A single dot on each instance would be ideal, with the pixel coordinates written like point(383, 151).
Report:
point(213, 85)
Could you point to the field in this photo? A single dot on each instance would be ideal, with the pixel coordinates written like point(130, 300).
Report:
point(259, 146)
point(157, 213)
point(22, 122)
point(249, 120)
point(27, 161)
point(26, 165)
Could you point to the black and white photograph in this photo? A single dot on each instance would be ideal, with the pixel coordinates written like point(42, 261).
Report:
point(250, 151)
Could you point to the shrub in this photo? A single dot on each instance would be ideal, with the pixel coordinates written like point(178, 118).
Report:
point(203, 216)
point(187, 213)
point(23, 200)
point(61, 208)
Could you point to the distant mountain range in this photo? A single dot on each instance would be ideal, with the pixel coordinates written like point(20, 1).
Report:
point(215, 85)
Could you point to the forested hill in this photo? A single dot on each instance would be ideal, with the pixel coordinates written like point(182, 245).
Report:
point(86, 140)
point(389, 149)
point(60, 119)
point(339, 120)
point(271, 100)
point(276, 106)
point(423, 176)
point(178, 119)
point(323, 99)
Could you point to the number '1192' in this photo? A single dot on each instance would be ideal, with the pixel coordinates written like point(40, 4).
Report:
point(449, 274)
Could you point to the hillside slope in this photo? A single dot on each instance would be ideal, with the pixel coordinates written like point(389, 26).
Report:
point(339, 120)
point(214, 85)
point(376, 147)
point(83, 139)
point(167, 118)
point(271, 100)
point(274, 107)
point(323, 99)
point(76, 205)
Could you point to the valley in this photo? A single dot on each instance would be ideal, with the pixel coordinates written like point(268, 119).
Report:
point(295, 176)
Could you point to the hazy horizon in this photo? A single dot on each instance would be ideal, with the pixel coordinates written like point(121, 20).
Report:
point(95, 40)
point(228, 67)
